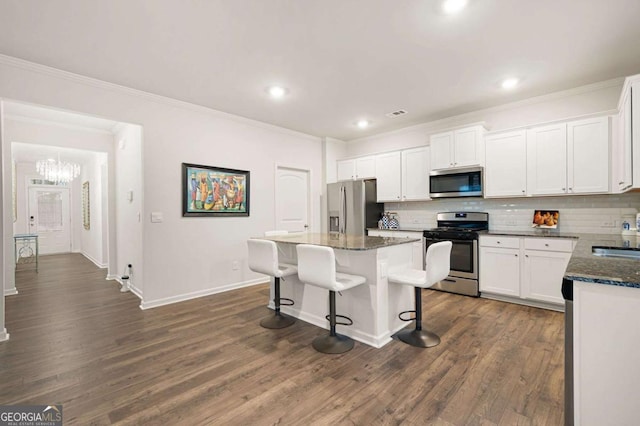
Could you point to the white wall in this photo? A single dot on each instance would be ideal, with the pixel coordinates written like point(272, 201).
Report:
point(586, 100)
point(128, 142)
point(3, 212)
point(92, 239)
point(332, 150)
point(183, 257)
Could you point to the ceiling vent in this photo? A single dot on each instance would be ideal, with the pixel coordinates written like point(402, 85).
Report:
point(396, 113)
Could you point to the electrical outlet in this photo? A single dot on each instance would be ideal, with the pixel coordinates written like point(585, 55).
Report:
point(235, 265)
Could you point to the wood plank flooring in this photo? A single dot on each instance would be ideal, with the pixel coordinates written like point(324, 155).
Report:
point(77, 341)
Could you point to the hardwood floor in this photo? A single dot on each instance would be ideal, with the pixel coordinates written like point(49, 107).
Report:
point(77, 341)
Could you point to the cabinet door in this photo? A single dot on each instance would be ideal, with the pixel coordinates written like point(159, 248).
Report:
point(467, 147)
point(588, 156)
point(346, 169)
point(506, 164)
point(366, 167)
point(415, 174)
point(388, 175)
point(547, 160)
point(543, 272)
point(441, 151)
point(626, 177)
point(500, 271)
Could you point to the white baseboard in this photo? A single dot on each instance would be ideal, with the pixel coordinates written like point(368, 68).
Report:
point(111, 277)
point(135, 290)
point(4, 335)
point(201, 293)
point(95, 262)
point(525, 302)
point(10, 291)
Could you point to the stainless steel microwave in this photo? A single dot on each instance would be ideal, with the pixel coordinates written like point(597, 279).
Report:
point(462, 182)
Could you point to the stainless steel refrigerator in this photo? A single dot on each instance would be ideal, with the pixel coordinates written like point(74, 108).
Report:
point(353, 206)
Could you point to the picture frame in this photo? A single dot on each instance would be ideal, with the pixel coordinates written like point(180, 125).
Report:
point(546, 219)
point(86, 206)
point(214, 191)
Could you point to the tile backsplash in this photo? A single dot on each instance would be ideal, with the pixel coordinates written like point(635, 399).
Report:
point(600, 214)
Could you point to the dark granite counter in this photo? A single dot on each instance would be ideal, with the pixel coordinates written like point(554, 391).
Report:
point(584, 266)
point(340, 241)
point(542, 233)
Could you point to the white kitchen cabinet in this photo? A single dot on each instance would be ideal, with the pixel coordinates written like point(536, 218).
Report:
point(457, 148)
point(403, 175)
point(545, 260)
point(500, 271)
point(547, 160)
point(622, 173)
point(526, 270)
point(357, 168)
point(389, 185)
point(588, 156)
point(506, 164)
point(415, 174)
point(417, 247)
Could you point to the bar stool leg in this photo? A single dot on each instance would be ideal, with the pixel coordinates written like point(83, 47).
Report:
point(333, 343)
point(278, 320)
point(419, 337)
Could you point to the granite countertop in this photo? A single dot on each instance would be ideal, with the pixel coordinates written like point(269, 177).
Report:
point(584, 266)
point(341, 241)
point(543, 233)
point(401, 229)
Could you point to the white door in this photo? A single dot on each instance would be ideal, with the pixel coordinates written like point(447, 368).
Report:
point(441, 151)
point(415, 174)
point(48, 216)
point(346, 169)
point(292, 199)
point(543, 272)
point(500, 271)
point(366, 167)
point(588, 156)
point(389, 181)
point(547, 160)
point(506, 164)
point(466, 146)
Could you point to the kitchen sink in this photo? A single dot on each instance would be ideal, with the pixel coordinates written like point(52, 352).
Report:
point(627, 253)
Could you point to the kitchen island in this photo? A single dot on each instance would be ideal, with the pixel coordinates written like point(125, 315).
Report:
point(374, 306)
point(602, 333)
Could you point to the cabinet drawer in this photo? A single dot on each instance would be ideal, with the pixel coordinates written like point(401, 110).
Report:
point(549, 244)
point(497, 241)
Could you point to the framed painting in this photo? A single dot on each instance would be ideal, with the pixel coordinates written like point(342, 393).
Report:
point(86, 206)
point(214, 191)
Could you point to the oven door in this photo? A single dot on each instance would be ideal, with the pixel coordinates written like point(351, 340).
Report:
point(464, 257)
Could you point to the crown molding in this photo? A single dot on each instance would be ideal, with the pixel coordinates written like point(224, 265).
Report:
point(151, 97)
point(40, 121)
point(454, 121)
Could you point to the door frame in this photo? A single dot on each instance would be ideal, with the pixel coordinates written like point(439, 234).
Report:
point(69, 189)
point(278, 167)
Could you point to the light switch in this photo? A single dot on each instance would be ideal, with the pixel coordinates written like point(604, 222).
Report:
point(157, 217)
point(130, 195)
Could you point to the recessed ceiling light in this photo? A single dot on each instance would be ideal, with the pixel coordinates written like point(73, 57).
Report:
point(453, 6)
point(363, 124)
point(510, 83)
point(277, 92)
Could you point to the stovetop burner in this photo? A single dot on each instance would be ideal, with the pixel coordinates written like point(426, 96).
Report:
point(459, 225)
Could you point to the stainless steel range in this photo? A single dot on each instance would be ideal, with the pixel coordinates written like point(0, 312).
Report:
point(461, 228)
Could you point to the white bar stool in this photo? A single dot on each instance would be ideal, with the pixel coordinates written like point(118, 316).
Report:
point(317, 266)
point(263, 258)
point(438, 264)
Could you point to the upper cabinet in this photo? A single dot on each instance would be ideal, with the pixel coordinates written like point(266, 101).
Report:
point(506, 164)
point(457, 148)
point(568, 158)
point(403, 175)
point(621, 150)
point(357, 168)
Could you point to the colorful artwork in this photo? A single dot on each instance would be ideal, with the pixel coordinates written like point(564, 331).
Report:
point(214, 191)
point(546, 218)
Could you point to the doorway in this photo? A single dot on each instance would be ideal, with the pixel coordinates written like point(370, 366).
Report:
point(49, 218)
point(293, 199)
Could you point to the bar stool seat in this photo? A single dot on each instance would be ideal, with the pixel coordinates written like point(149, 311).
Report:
point(438, 264)
point(263, 258)
point(317, 266)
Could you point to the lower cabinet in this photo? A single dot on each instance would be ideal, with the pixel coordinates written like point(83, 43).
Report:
point(524, 269)
point(418, 248)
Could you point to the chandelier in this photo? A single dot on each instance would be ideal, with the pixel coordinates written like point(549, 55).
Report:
point(58, 171)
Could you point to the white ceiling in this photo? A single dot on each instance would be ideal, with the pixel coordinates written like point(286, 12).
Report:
point(342, 60)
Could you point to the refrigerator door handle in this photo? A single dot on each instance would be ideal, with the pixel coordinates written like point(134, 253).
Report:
point(343, 210)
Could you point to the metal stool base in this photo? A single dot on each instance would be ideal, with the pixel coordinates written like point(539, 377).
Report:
point(328, 344)
point(277, 321)
point(419, 338)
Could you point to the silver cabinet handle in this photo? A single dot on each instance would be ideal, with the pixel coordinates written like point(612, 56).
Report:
point(516, 255)
point(498, 242)
point(620, 183)
point(570, 189)
point(564, 189)
point(526, 255)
